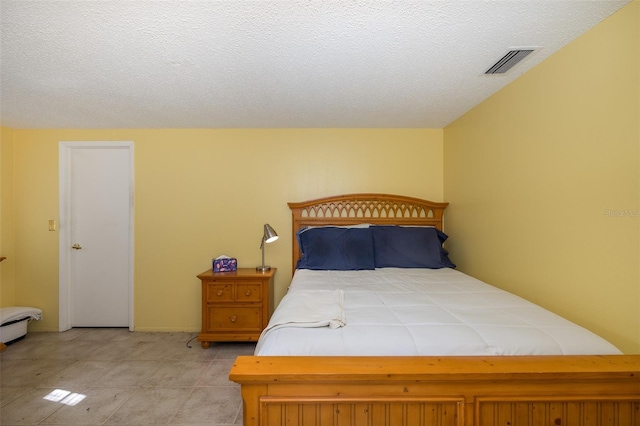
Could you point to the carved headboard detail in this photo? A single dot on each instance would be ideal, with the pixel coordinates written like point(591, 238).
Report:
point(353, 209)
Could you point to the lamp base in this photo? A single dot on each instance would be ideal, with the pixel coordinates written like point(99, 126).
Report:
point(263, 268)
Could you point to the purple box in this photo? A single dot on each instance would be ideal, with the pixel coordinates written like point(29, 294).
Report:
point(225, 265)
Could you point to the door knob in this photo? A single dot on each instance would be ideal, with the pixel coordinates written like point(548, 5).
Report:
point(76, 246)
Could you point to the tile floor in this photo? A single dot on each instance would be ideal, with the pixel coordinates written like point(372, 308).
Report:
point(88, 376)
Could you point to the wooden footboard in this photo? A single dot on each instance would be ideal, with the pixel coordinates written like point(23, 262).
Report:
point(440, 391)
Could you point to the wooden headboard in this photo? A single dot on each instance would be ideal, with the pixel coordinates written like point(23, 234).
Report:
point(353, 209)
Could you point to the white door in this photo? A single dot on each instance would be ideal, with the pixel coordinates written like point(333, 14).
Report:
point(96, 234)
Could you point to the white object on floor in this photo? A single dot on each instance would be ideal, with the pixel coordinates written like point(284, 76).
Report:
point(14, 321)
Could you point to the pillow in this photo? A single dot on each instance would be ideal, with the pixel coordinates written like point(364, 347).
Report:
point(335, 248)
point(358, 225)
point(409, 247)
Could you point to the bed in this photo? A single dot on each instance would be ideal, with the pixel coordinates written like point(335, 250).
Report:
point(303, 374)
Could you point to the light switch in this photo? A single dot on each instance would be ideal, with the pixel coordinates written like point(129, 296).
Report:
point(52, 225)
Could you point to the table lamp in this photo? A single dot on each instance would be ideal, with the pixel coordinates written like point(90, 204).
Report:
point(269, 236)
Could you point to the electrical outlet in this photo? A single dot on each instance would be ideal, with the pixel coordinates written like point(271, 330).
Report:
point(52, 225)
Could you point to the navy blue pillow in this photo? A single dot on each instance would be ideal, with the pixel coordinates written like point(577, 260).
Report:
point(334, 248)
point(409, 247)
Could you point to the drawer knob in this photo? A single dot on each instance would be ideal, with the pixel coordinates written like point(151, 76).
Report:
point(233, 318)
point(219, 292)
point(248, 293)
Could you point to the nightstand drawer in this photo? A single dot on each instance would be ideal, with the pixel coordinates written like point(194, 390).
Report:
point(219, 293)
point(249, 292)
point(235, 318)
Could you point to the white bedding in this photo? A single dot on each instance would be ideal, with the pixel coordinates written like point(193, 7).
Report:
point(394, 311)
point(314, 308)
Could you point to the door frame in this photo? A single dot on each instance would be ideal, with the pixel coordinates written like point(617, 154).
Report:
point(64, 220)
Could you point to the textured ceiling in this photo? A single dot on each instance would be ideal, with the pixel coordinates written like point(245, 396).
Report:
point(212, 64)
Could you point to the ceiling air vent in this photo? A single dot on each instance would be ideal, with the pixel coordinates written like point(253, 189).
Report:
point(507, 61)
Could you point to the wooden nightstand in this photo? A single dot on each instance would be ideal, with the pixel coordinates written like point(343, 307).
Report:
point(236, 306)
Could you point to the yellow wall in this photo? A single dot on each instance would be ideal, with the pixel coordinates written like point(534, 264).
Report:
point(543, 181)
point(202, 193)
point(7, 225)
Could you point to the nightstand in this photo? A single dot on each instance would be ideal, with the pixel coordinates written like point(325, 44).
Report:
point(236, 306)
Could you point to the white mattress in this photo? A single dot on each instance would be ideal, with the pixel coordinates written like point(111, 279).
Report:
point(393, 311)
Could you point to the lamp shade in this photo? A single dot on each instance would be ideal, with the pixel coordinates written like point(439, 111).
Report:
point(270, 234)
